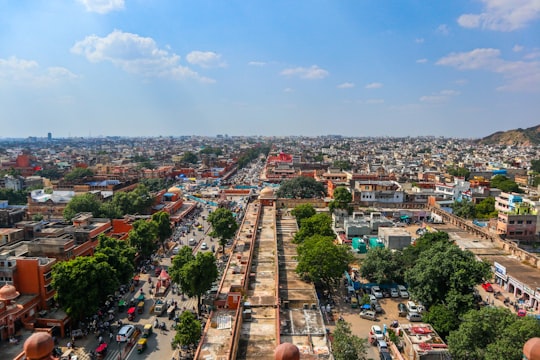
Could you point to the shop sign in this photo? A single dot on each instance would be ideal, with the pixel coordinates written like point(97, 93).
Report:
point(499, 268)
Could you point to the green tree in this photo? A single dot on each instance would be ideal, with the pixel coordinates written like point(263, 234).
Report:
point(188, 330)
point(78, 174)
point(82, 203)
point(142, 237)
point(321, 261)
point(137, 201)
point(491, 333)
point(303, 211)
point(486, 208)
point(224, 225)
point(163, 225)
point(14, 197)
point(80, 285)
point(50, 173)
point(424, 242)
point(464, 209)
point(301, 187)
point(197, 276)
point(109, 210)
point(442, 319)
point(443, 270)
point(342, 164)
point(382, 265)
point(460, 172)
point(503, 183)
point(118, 254)
point(318, 224)
point(189, 158)
point(342, 199)
point(346, 345)
point(535, 165)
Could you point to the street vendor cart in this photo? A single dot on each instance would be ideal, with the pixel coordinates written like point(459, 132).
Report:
point(131, 313)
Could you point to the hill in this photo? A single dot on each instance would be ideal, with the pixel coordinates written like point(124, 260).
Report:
point(523, 137)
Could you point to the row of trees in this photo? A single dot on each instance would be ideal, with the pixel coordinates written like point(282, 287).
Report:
point(301, 187)
point(137, 201)
point(466, 209)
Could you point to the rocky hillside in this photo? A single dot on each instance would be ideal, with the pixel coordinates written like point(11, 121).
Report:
point(523, 137)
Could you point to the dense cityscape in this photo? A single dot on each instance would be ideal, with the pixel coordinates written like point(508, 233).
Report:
point(248, 247)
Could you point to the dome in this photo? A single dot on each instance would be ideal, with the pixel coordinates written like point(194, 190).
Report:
point(266, 193)
point(8, 292)
point(39, 346)
point(175, 190)
point(531, 349)
point(286, 351)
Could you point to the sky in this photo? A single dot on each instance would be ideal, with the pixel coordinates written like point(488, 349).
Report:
point(88, 68)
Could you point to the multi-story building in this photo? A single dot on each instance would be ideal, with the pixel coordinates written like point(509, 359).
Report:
point(520, 224)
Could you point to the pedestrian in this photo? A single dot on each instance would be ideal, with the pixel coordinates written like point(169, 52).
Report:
point(110, 337)
point(100, 339)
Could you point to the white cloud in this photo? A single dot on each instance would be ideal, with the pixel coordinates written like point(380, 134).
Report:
point(288, 90)
point(311, 73)
point(461, 82)
point(422, 61)
point(102, 6)
point(29, 73)
point(375, 85)
point(374, 101)
point(134, 54)
point(345, 85)
point(440, 97)
point(443, 29)
point(519, 75)
point(532, 55)
point(256, 63)
point(205, 59)
point(503, 15)
point(419, 40)
point(517, 48)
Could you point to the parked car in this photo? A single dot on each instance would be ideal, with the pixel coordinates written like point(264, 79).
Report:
point(377, 307)
point(487, 287)
point(402, 309)
point(411, 307)
point(204, 246)
point(403, 291)
point(385, 355)
point(394, 292)
point(385, 293)
point(376, 332)
point(382, 345)
point(376, 291)
point(368, 314)
point(372, 298)
point(412, 316)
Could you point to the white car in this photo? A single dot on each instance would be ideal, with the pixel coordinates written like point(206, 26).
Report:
point(411, 307)
point(394, 292)
point(376, 291)
point(376, 332)
point(403, 291)
point(204, 246)
point(125, 333)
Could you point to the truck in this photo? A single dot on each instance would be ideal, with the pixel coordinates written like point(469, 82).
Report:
point(159, 307)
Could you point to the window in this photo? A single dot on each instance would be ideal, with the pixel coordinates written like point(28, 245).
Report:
point(529, 222)
point(511, 222)
point(520, 222)
point(47, 275)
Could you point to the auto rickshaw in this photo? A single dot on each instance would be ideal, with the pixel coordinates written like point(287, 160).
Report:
point(136, 280)
point(354, 302)
point(101, 351)
point(147, 330)
point(131, 313)
point(141, 345)
point(140, 307)
point(122, 305)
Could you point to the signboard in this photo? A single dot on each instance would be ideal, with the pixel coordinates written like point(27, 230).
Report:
point(499, 268)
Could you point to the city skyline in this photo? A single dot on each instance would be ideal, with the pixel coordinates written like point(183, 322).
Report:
point(463, 69)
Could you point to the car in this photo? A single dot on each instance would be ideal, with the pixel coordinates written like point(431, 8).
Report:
point(413, 316)
point(385, 293)
point(403, 293)
point(394, 292)
point(204, 246)
point(377, 307)
point(176, 250)
point(402, 309)
point(125, 333)
point(382, 345)
point(487, 287)
point(376, 332)
point(376, 291)
point(411, 307)
point(192, 242)
point(372, 299)
point(368, 314)
point(385, 355)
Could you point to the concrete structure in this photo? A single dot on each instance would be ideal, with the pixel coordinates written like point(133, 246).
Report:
point(394, 238)
point(421, 342)
point(517, 226)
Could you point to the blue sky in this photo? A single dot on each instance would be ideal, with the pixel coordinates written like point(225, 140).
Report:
point(305, 67)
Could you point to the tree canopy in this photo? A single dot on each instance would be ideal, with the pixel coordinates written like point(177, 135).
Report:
point(382, 265)
point(163, 225)
point(303, 211)
point(318, 224)
point(342, 199)
point(485, 209)
point(118, 254)
point(301, 187)
point(535, 165)
point(445, 274)
point(492, 333)
point(82, 203)
point(190, 158)
point(503, 183)
point(321, 261)
point(460, 172)
point(464, 209)
point(346, 345)
point(78, 174)
point(188, 330)
point(142, 237)
point(224, 225)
